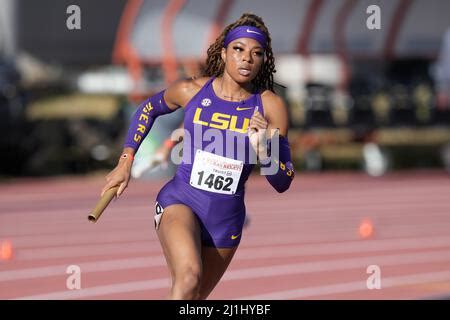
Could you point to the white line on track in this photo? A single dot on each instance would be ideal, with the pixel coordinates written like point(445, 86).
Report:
point(249, 245)
point(241, 254)
point(339, 288)
point(259, 272)
point(86, 267)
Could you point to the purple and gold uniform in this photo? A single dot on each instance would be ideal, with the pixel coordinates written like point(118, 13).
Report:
point(217, 161)
point(219, 127)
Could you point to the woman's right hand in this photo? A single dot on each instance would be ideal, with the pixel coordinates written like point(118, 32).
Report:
point(119, 176)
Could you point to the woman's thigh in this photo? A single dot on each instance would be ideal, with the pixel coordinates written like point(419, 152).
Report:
point(179, 234)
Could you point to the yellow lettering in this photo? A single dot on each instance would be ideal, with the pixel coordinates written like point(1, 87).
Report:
point(197, 118)
point(141, 128)
point(216, 118)
point(289, 173)
point(143, 117)
point(137, 138)
point(148, 107)
point(220, 121)
point(244, 125)
point(282, 166)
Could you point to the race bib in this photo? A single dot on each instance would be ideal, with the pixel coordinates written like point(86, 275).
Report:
point(215, 173)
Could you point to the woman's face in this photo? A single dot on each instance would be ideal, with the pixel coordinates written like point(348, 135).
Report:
point(243, 59)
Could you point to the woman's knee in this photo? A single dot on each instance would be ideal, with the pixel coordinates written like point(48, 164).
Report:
point(188, 280)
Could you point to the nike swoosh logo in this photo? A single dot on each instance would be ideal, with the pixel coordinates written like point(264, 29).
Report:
point(242, 109)
point(233, 237)
point(251, 31)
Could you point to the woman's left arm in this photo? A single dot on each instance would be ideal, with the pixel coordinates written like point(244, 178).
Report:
point(276, 114)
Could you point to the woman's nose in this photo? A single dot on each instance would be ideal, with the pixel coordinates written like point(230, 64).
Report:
point(247, 57)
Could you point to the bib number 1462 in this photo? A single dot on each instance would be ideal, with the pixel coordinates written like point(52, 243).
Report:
point(214, 173)
point(216, 182)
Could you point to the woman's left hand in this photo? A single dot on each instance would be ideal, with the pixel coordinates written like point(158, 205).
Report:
point(257, 133)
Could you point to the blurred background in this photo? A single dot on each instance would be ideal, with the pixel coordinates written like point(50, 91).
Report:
point(360, 97)
point(367, 84)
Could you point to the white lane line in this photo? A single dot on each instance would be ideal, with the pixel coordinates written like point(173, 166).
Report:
point(251, 246)
point(88, 250)
point(242, 254)
point(63, 227)
point(110, 236)
point(45, 215)
point(318, 221)
point(259, 272)
point(74, 248)
point(102, 290)
point(289, 237)
point(339, 264)
point(46, 235)
point(344, 247)
point(311, 215)
point(86, 267)
point(339, 288)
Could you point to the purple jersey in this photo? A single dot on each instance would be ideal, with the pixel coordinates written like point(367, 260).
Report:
point(220, 127)
point(217, 161)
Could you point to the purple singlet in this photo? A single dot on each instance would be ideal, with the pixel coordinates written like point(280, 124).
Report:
point(217, 161)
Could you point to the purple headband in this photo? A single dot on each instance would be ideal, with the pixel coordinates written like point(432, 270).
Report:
point(246, 32)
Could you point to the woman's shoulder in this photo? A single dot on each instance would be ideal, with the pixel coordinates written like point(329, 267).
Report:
point(185, 89)
point(193, 84)
point(275, 111)
point(271, 100)
point(199, 82)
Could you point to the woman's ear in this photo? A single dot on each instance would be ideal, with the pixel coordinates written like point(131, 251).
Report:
point(223, 54)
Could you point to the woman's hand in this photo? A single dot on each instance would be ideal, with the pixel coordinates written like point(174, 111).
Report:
point(119, 176)
point(257, 133)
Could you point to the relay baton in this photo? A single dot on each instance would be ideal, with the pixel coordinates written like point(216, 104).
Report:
point(102, 204)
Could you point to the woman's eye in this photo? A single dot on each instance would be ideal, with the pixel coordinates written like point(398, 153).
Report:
point(259, 54)
point(237, 48)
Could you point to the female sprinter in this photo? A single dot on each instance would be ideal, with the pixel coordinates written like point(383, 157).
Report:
point(199, 214)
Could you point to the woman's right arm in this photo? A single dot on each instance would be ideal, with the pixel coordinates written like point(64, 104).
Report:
point(166, 101)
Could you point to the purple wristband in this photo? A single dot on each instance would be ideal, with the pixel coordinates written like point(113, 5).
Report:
point(282, 179)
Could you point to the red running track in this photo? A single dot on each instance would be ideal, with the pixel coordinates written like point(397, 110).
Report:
point(303, 244)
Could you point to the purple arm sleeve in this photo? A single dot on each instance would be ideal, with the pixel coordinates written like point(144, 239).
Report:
point(143, 119)
point(282, 179)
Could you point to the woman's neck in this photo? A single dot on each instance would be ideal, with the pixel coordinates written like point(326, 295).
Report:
point(231, 90)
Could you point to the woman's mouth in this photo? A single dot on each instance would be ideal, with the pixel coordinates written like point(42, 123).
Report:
point(244, 72)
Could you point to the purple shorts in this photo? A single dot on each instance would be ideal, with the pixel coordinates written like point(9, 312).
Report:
point(221, 216)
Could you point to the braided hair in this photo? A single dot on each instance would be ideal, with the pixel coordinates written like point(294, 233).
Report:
point(215, 66)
